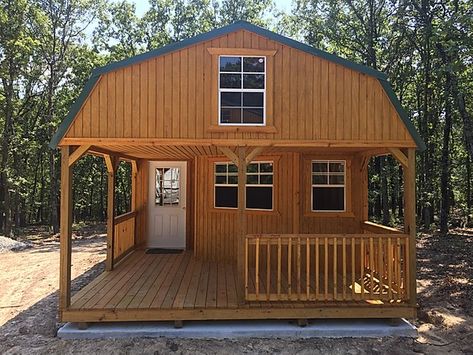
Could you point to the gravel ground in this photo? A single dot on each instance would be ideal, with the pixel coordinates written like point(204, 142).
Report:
point(28, 307)
point(8, 244)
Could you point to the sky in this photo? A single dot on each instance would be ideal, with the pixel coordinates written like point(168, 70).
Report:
point(142, 5)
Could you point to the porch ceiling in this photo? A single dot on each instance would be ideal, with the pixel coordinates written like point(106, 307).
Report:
point(186, 152)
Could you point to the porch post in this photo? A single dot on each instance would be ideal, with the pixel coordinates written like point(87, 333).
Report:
point(111, 163)
point(66, 231)
point(410, 220)
point(242, 219)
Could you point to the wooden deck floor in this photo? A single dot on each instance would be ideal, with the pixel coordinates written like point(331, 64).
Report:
point(180, 286)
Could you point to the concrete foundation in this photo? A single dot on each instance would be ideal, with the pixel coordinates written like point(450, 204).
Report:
point(350, 328)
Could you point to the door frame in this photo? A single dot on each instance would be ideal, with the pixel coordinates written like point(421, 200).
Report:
point(186, 185)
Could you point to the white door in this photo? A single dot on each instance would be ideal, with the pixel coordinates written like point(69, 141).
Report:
point(167, 205)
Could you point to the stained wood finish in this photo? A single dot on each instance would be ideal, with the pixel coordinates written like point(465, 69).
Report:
point(295, 267)
point(216, 229)
point(174, 96)
point(182, 287)
point(124, 234)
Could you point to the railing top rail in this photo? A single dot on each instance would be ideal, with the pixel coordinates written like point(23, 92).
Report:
point(124, 217)
point(346, 235)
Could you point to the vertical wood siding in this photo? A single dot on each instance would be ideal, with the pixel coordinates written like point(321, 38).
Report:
point(174, 96)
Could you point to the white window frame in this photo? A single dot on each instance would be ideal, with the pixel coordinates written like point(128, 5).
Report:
point(328, 173)
point(220, 90)
point(246, 185)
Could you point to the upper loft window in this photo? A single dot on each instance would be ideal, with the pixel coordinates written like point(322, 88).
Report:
point(242, 83)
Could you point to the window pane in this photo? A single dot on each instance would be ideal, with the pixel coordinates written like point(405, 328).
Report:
point(337, 179)
point(266, 179)
point(319, 167)
point(167, 187)
point(252, 115)
point(319, 179)
point(232, 168)
point(253, 81)
point(233, 179)
point(230, 64)
point(328, 199)
point(252, 179)
point(266, 167)
point(230, 115)
point(253, 64)
point(337, 167)
point(226, 196)
point(221, 168)
point(230, 98)
point(253, 99)
point(259, 197)
point(230, 81)
point(220, 179)
point(252, 168)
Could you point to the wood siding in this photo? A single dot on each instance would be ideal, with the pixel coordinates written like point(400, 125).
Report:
point(216, 230)
point(174, 96)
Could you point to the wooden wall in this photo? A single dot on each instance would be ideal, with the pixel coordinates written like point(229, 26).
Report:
point(174, 96)
point(216, 229)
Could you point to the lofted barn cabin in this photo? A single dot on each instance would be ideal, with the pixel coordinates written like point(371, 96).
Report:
point(249, 155)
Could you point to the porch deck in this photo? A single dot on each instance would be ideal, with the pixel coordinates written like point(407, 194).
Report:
point(181, 287)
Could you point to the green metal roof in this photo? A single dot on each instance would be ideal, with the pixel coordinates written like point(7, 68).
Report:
point(240, 25)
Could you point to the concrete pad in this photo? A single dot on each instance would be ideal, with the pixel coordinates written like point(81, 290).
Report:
point(328, 328)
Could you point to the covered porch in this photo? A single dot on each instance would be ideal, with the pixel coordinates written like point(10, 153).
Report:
point(238, 264)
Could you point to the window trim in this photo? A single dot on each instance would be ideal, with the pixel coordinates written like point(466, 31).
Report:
point(345, 184)
point(242, 90)
point(273, 162)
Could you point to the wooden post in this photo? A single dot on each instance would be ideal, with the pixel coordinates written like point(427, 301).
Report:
point(242, 218)
point(111, 163)
point(134, 177)
point(297, 199)
point(410, 220)
point(66, 232)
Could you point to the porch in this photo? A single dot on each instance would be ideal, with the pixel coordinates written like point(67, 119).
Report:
point(283, 285)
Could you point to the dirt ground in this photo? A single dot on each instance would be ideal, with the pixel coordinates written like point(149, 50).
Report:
point(28, 305)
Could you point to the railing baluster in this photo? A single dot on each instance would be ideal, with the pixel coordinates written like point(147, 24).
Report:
point(298, 266)
point(344, 279)
point(389, 266)
point(317, 264)
point(335, 263)
point(289, 268)
point(307, 271)
point(246, 267)
point(268, 269)
point(326, 269)
point(279, 268)
point(380, 266)
point(362, 267)
point(353, 268)
point(257, 268)
point(405, 256)
point(371, 267)
point(398, 269)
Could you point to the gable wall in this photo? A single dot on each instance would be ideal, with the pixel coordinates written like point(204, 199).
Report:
point(172, 96)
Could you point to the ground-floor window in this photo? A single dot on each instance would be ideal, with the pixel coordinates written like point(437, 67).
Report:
point(259, 185)
point(328, 185)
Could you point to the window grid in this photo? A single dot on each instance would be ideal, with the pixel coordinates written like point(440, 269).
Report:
point(231, 179)
point(328, 173)
point(242, 91)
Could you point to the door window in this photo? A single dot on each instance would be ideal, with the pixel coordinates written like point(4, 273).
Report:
point(167, 187)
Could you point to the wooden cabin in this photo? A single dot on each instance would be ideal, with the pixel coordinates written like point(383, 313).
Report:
point(249, 156)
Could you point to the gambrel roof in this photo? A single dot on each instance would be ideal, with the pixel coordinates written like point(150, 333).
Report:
point(240, 25)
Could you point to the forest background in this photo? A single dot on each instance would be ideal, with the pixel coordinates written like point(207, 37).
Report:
point(48, 49)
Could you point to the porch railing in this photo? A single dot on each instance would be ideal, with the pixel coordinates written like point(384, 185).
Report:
point(327, 267)
point(124, 234)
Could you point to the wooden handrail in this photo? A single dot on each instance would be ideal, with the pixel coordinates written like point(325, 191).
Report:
point(327, 267)
point(123, 217)
point(378, 228)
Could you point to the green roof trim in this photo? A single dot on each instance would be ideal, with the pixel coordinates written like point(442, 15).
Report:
point(403, 114)
point(76, 106)
point(239, 25)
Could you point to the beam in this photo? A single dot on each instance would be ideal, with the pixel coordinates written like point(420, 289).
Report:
point(400, 156)
point(410, 222)
point(230, 154)
point(242, 221)
point(66, 232)
point(254, 153)
point(78, 153)
point(112, 163)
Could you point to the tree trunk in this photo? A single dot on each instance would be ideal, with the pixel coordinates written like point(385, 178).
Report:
point(444, 177)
